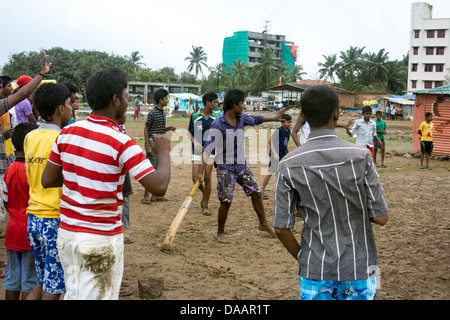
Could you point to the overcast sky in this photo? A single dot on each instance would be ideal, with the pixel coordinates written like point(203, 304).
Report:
point(164, 31)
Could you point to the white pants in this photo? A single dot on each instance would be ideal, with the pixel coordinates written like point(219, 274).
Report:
point(93, 265)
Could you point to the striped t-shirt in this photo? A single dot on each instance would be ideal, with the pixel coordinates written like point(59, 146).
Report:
point(335, 187)
point(95, 156)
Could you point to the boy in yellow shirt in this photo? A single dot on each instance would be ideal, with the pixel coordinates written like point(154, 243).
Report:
point(53, 104)
point(426, 139)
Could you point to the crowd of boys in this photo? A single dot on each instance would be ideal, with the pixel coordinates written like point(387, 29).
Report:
point(65, 200)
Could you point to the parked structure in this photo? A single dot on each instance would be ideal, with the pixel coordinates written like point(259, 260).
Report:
point(146, 89)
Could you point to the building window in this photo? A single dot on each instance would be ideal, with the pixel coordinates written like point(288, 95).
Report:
point(415, 51)
point(416, 34)
point(429, 51)
point(441, 33)
point(439, 68)
point(440, 51)
point(438, 84)
point(414, 67)
point(428, 84)
point(430, 33)
point(414, 84)
point(428, 68)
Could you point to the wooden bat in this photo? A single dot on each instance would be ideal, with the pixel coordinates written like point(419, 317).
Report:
point(179, 218)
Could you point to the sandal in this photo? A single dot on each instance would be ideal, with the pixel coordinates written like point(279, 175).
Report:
point(146, 201)
point(206, 212)
point(125, 291)
point(265, 196)
point(2, 275)
point(3, 264)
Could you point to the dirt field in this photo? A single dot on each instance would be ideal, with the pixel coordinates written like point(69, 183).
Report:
point(413, 247)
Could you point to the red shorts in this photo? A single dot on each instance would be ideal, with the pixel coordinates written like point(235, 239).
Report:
point(136, 111)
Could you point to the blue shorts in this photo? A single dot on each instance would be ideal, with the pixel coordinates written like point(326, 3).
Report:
point(337, 290)
point(20, 273)
point(42, 233)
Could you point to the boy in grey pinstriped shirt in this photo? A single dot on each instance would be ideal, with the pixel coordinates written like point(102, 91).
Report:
point(335, 187)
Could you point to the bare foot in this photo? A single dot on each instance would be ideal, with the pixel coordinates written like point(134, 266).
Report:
point(221, 237)
point(265, 227)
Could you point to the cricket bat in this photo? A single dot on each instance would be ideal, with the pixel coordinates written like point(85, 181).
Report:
point(179, 218)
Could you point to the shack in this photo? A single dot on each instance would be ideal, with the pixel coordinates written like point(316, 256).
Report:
point(436, 101)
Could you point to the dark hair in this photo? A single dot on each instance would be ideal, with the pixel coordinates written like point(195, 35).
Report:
point(48, 97)
point(19, 132)
point(366, 109)
point(428, 114)
point(318, 104)
point(232, 97)
point(160, 94)
point(286, 117)
point(72, 87)
point(209, 97)
point(102, 86)
point(5, 80)
point(379, 112)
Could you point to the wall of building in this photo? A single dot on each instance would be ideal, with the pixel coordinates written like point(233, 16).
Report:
point(421, 22)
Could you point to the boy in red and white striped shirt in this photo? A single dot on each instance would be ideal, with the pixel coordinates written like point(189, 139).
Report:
point(89, 160)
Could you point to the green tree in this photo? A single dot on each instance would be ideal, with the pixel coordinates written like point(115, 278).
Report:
point(135, 58)
point(216, 74)
point(296, 73)
point(328, 68)
point(352, 62)
point(197, 58)
point(239, 73)
point(266, 69)
point(376, 66)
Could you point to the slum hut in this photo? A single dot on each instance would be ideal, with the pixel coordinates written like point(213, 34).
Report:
point(403, 106)
point(436, 101)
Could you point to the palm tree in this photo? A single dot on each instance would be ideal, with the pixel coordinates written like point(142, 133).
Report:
point(135, 58)
point(352, 62)
point(196, 59)
point(239, 72)
point(296, 73)
point(216, 73)
point(397, 79)
point(266, 68)
point(328, 68)
point(376, 66)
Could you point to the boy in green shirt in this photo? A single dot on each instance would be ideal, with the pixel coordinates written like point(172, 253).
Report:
point(381, 130)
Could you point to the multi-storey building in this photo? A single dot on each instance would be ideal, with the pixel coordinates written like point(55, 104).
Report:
point(429, 56)
point(247, 45)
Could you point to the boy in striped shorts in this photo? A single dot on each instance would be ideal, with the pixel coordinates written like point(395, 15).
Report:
point(92, 158)
point(335, 187)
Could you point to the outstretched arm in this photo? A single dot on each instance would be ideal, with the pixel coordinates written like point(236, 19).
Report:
point(28, 89)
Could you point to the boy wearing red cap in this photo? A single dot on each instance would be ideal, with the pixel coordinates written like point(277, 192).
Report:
point(24, 109)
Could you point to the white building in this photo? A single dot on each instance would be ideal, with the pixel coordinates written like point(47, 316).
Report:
point(429, 56)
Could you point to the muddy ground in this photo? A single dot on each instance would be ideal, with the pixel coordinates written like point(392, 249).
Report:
point(413, 247)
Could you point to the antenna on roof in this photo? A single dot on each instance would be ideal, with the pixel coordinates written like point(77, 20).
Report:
point(266, 26)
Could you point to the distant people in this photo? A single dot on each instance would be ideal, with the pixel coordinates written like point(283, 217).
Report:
point(20, 275)
point(6, 120)
point(381, 131)
point(220, 112)
point(227, 131)
point(137, 107)
point(155, 125)
point(91, 233)
point(393, 113)
point(335, 187)
point(366, 130)
point(176, 106)
point(426, 129)
point(278, 149)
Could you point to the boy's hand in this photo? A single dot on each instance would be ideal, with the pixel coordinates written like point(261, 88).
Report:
point(280, 113)
point(45, 66)
point(160, 143)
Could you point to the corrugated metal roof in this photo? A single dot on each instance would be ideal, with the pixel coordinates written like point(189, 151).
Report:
point(440, 90)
